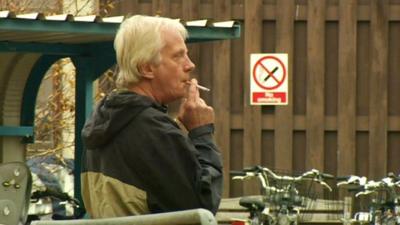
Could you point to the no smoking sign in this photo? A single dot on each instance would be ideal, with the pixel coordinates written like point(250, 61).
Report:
point(269, 79)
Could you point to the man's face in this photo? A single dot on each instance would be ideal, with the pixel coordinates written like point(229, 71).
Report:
point(172, 74)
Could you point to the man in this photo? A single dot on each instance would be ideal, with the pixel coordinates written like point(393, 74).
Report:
point(137, 159)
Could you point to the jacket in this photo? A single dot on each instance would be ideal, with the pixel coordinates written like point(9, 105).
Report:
point(138, 161)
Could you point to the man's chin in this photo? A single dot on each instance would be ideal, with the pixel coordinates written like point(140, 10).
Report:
point(177, 97)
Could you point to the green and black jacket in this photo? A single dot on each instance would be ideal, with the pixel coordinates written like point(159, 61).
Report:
point(137, 161)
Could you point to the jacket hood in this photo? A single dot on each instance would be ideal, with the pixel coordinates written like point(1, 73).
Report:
point(112, 114)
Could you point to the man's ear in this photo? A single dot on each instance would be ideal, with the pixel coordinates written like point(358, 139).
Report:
point(146, 69)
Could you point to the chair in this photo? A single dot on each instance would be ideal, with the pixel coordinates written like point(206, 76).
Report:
point(186, 217)
point(15, 192)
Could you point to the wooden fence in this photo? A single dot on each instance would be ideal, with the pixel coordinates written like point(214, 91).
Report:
point(344, 65)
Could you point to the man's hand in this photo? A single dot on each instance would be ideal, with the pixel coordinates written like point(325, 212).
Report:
point(194, 111)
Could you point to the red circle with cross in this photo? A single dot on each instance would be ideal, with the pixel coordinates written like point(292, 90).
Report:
point(270, 72)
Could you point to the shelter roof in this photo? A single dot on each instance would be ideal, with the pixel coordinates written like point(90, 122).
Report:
point(19, 31)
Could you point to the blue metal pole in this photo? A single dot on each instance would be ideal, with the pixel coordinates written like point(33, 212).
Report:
point(83, 103)
point(88, 69)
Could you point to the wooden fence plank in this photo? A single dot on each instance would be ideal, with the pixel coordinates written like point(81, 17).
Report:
point(363, 69)
point(161, 7)
point(284, 114)
point(206, 51)
point(251, 114)
point(315, 84)
point(330, 164)
point(191, 11)
point(347, 88)
point(393, 152)
point(146, 8)
point(331, 70)
point(222, 78)
point(394, 68)
point(236, 186)
point(176, 9)
point(378, 89)
point(300, 69)
point(205, 71)
point(362, 146)
point(268, 153)
point(299, 153)
point(132, 5)
point(299, 95)
point(237, 96)
point(393, 98)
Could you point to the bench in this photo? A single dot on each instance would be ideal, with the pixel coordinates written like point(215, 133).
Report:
point(185, 217)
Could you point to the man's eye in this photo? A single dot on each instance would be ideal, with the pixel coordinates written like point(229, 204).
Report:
point(179, 55)
point(177, 58)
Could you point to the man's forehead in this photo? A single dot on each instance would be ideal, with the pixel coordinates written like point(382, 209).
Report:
point(174, 41)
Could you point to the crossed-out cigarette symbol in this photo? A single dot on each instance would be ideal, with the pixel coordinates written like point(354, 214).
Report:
point(270, 74)
point(277, 74)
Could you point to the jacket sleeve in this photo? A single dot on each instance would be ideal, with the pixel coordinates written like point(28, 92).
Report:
point(188, 167)
point(211, 178)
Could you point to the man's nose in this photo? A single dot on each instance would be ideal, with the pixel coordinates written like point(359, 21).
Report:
point(189, 66)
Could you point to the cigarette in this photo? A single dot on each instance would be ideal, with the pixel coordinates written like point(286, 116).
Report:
point(200, 87)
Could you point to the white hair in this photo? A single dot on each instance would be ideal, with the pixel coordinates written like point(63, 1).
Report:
point(139, 41)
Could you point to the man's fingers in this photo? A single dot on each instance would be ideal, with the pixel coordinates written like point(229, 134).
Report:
point(183, 100)
point(201, 101)
point(193, 92)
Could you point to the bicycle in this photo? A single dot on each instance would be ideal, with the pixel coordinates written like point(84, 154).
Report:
point(59, 200)
point(281, 201)
point(384, 202)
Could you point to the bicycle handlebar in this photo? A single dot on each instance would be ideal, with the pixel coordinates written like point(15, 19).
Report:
point(352, 179)
point(49, 192)
point(263, 173)
point(365, 187)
